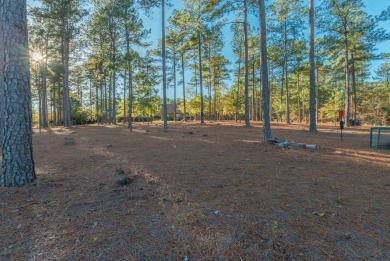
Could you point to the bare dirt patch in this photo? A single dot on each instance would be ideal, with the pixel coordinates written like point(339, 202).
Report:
point(199, 192)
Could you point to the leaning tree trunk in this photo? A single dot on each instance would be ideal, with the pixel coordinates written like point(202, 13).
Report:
point(17, 162)
point(264, 72)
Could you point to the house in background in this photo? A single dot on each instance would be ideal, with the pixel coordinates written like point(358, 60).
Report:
point(171, 112)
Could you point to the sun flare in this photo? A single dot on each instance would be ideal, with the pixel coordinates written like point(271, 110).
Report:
point(36, 56)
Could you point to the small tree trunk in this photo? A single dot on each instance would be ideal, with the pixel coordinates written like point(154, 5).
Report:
point(124, 96)
point(254, 105)
point(110, 99)
point(299, 95)
point(54, 101)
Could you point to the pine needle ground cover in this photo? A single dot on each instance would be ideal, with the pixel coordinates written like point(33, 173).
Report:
point(199, 192)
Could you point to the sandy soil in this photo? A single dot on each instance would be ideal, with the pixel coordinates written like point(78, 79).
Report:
point(199, 192)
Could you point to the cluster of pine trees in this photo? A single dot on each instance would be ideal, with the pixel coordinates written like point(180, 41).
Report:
point(90, 69)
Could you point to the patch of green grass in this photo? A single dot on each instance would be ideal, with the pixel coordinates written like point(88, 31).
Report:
point(274, 227)
point(374, 206)
point(338, 200)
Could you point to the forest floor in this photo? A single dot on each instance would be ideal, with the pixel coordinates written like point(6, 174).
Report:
point(199, 192)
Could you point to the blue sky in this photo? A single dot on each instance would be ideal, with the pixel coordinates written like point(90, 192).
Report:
point(373, 7)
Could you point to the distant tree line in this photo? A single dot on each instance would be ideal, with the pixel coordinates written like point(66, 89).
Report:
point(96, 73)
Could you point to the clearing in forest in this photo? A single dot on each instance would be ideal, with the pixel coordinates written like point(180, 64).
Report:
point(199, 192)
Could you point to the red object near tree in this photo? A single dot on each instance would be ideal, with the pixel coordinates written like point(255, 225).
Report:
point(341, 114)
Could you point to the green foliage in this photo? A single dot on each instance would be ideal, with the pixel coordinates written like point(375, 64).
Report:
point(116, 27)
point(330, 109)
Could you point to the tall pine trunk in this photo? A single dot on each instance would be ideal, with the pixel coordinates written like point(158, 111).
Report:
point(165, 111)
point(299, 94)
point(267, 135)
point(313, 125)
point(286, 74)
point(200, 75)
point(184, 86)
point(67, 120)
point(174, 86)
point(254, 105)
point(44, 86)
point(2, 108)
point(246, 64)
point(124, 96)
point(17, 163)
point(347, 87)
point(238, 103)
point(354, 89)
point(113, 121)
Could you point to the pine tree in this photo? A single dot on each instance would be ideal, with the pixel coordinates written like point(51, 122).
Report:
point(264, 72)
point(313, 127)
point(17, 162)
point(66, 14)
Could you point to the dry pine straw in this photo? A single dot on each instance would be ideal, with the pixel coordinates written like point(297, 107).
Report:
point(202, 192)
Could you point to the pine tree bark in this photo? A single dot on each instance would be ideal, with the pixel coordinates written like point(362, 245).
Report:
point(2, 108)
point(129, 65)
point(246, 62)
point(313, 125)
point(347, 87)
point(165, 110)
point(354, 90)
point(200, 76)
point(286, 74)
point(174, 87)
point(184, 86)
point(17, 162)
point(267, 135)
point(67, 118)
point(44, 86)
point(124, 96)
